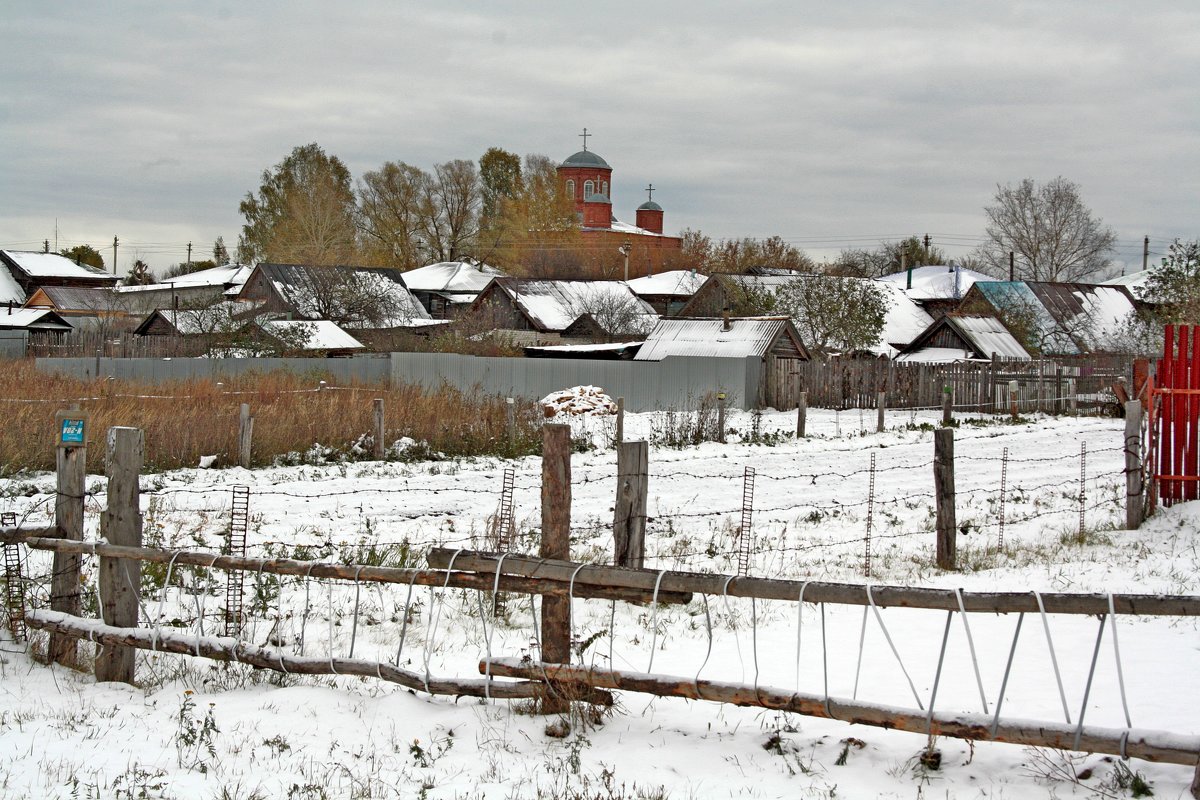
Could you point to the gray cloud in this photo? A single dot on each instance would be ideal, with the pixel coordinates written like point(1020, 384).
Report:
point(825, 125)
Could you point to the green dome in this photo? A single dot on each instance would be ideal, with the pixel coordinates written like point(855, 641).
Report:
point(586, 158)
point(649, 205)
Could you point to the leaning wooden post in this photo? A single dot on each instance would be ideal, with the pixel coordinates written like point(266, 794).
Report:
point(801, 415)
point(380, 445)
point(629, 514)
point(556, 544)
point(71, 466)
point(943, 482)
point(881, 407)
point(620, 422)
point(1134, 503)
point(245, 436)
point(121, 524)
point(947, 405)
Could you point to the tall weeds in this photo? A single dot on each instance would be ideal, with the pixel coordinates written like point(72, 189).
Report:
point(189, 419)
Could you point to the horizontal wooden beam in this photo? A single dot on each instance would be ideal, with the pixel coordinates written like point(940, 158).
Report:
point(232, 650)
point(351, 572)
point(817, 591)
point(1149, 745)
point(18, 535)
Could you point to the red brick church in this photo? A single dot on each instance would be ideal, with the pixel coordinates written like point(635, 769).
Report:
point(587, 179)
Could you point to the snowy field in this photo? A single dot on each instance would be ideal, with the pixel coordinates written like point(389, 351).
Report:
point(199, 729)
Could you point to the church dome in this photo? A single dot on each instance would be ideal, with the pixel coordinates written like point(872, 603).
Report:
point(649, 205)
point(586, 158)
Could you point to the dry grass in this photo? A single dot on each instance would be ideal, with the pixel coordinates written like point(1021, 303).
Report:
point(186, 420)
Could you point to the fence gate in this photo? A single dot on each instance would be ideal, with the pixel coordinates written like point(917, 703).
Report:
point(1173, 399)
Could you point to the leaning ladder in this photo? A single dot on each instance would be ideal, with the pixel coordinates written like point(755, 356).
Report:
point(744, 548)
point(236, 545)
point(14, 583)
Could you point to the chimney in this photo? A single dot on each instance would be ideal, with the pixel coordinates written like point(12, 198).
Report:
point(725, 319)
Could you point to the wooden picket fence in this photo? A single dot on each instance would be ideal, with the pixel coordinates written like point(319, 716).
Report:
point(1174, 418)
point(1052, 386)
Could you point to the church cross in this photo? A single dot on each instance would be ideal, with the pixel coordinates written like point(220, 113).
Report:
point(585, 136)
point(650, 191)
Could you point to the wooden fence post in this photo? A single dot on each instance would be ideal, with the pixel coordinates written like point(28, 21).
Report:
point(721, 417)
point(881, 407)
point(620, 423)
point(1012, 399)
point(245, 435)
point(511, 410)
point(71, 468)
point(380, 445)
point(943, 482)
point(556, 544)
point(629, 516)
point(121, 524)
point(1134, 501)
point(947, 405)
point(801, 415)
point(1072, 397)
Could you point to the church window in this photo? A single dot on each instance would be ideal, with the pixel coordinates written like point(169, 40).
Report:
point(605, 192)
point(589, 189)
point(571, 188)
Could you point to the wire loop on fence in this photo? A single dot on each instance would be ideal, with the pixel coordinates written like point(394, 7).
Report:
point(354, 623)
point(1062, 695)
point(404, 623)
point(435, 604)
point(1007, 669)
point(1112, 615)
point(1087, 689)
point(708, 652)
point(971, 646)
point(654, 619)
point(937, 675)
point(895, 652)
point(799, 622)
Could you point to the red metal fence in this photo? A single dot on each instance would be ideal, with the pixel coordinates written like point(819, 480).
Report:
point(1174, 410)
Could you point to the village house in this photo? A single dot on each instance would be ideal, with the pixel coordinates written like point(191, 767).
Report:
point(962, 337)
point(535, 312)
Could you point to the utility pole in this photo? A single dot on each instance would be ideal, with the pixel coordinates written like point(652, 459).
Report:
point(624, 250)
point(189, 263)
point(114, 255)
point(45, 245)
point(1011, 266)
point(1145, 253)
point(927, 248)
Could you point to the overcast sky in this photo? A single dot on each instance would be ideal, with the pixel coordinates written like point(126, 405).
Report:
point(830, 125)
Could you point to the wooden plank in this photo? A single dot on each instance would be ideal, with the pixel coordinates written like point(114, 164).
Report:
point(556, 543)
point(943, 484)
point(235, 651)
point(380, 429)
point(820, 591)
point(121, 524)
point(245, 435)
point(1149, 745)
point(629, 511)
point(68, 519)
point(362, 573)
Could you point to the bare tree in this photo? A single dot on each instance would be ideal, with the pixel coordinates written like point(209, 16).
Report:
point(450, 210)
point(354, 298)
point(1053, 235)
point(614, 309)
point(390, 216)
point(834, 313)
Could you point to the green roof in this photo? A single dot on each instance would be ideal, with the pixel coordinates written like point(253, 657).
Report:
point(649, 205)
point(586, 158)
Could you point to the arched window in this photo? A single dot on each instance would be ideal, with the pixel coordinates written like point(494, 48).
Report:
point(589, 189)
point(571, 189)
point(605, 192)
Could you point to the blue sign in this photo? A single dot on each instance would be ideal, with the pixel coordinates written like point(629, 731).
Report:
point(72, 431)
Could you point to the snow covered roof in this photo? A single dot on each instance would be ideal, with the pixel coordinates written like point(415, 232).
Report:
point(945, 282)
point(453, 277)
point(981, 337)
point(324, 335)
point(32, 318)
point(904, 321)
point(307, 289)
point(230, 276)
point(746, 337)
point(10, 290)
point(675, 283)
point(78, 298)
point(52, 265)
point(625, 227)
point(554, 305)
point(1066, 318)
point(1132, 281)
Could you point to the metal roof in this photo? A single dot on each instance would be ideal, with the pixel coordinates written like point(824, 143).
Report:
point(554, 305)
point(51, 265)
point(586, 158)
point(78, 298)
point(455, 277)
point(32, 319)
point(680, 336)
point(982, 337)
point(1067, 318)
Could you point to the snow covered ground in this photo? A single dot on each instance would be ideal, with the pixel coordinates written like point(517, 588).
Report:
point(196, 729)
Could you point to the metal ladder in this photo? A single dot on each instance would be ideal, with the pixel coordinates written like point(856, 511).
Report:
point(14, 583)
point(747, 516)
point(504, 523)
point(236, 545)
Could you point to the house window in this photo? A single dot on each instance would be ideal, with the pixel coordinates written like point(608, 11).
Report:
point(588, 189)
point(571, 189)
